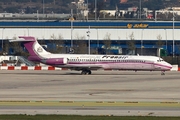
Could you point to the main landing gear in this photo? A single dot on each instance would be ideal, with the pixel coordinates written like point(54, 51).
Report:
point(162, 72)
point(84, 72)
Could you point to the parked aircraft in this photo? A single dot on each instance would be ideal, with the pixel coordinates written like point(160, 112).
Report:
point(86, 62)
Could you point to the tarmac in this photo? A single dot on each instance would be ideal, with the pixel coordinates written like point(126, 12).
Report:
point(119, 93)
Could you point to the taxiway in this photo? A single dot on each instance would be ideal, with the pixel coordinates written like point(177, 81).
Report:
point(102, 93)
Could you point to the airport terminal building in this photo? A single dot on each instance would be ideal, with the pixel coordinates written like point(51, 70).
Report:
point(146, 34)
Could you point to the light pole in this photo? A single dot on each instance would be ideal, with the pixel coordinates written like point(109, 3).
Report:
point(140, 9)
point(71, 28)
point(2, 40)
point(95, 9)
point(88, 35)
point(97, 38)
point(173, 33)
point(97, 41)
point(71, 50)
point(166, 38)
point(142, 41)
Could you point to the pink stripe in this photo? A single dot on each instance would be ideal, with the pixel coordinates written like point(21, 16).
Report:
point(120, 63)
point(162, 65)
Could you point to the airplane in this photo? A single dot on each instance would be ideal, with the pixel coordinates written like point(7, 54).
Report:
point(86, 62)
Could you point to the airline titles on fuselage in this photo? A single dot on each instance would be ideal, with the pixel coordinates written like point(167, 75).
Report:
point(105, 58)
point(101, 57)
point(114, 56)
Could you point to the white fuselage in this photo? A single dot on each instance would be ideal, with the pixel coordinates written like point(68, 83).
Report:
point(116, 62)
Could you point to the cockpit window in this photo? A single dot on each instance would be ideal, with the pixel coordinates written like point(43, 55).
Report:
point(160, 60)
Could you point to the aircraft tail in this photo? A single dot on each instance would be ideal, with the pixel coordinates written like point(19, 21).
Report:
point(36, 51)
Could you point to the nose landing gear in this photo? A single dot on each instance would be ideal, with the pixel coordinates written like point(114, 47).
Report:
point(84, 72)
point(162, 72)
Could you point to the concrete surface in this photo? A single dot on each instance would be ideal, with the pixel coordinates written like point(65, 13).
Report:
point(102, 93)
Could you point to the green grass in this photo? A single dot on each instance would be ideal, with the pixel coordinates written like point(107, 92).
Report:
point(76, 117)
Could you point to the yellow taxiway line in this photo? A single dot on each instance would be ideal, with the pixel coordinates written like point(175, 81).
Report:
point(91, 103)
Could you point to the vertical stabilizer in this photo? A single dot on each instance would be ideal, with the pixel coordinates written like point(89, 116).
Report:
point(36, 51)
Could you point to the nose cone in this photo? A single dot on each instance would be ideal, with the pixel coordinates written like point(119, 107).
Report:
point(165, 66)
point(169, 66)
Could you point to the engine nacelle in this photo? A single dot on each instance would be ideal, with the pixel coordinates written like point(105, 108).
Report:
point(34, 58)
point(56, 61)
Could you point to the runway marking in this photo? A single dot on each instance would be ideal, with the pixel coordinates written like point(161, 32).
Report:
point(90, 103)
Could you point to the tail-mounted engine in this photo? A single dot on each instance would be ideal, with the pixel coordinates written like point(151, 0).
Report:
point(56, 61)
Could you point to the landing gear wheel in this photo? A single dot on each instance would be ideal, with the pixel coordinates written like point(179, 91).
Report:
point(84, 72)
point(89, 72)
point(163, 73)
